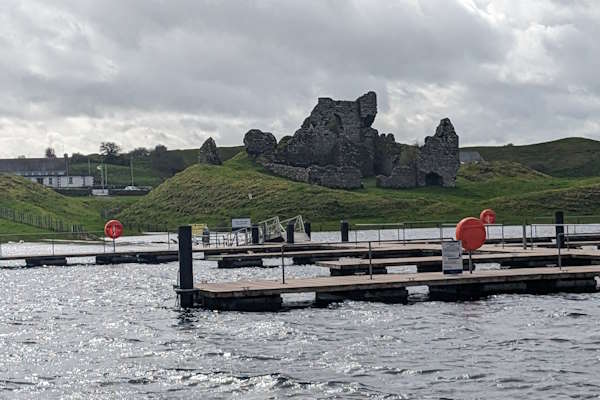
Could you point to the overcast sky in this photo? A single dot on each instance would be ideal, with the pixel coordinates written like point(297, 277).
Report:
point(76, 73)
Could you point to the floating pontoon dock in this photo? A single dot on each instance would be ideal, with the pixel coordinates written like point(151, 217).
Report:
point(265, 295)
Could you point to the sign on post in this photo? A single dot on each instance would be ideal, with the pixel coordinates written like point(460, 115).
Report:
point(238, 223)
point(452, 262)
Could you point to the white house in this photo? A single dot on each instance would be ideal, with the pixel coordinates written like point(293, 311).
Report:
point(51, 172)
point(63, 181)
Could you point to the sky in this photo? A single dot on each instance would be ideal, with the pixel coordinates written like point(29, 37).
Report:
point(75, 73)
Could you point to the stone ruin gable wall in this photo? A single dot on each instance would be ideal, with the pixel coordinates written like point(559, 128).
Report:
point(208, 153)
point(439, 155)
point(337, 132)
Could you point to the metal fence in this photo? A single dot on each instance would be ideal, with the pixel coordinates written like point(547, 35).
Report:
point(46, 222)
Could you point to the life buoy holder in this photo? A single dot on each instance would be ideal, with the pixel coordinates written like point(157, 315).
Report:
point(113, 229)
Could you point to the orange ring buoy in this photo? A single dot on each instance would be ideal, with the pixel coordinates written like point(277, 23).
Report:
point(113, 229)
point(471, 232)
point(488, 216)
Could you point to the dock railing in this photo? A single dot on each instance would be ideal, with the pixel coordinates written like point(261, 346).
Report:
point(401, 228)
point(533, 229)
point(62, 243)
point(564, 238)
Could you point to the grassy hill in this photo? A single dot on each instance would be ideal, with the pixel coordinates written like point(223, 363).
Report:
point(556, 175)
point(570, 157)
point(24, 196)
point(239, 188)
point(566, 158)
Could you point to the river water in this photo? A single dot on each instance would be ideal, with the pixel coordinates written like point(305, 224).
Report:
point(88, 331)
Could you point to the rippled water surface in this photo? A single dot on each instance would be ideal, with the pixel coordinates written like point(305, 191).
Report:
point(90, 331)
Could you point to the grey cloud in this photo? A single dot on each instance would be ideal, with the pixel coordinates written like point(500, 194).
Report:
point(147, 71)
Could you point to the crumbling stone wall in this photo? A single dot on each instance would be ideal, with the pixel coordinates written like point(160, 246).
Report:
point(336, 146)
point(439, 156)
point(208, 153)
point(435, 163)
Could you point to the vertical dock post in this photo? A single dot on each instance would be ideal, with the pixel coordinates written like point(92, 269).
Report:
point(307, 229)
point(289, 232)
point(524, 236)
point(559, 220)
point(186, 272)
point(558, 240)
point(255, 235)
point(282, 266)
point(470, 263)
point(370, 262)
point(344, 229)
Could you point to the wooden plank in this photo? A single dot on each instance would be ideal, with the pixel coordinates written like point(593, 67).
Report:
point(388, 281)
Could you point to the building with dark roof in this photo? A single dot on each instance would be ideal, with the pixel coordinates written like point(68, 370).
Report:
point(51, 172)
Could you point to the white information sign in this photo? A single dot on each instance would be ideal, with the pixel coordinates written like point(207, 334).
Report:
point(452, 262)
point(237, 223)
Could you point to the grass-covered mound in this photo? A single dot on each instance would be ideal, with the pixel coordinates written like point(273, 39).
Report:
point(570, 157)
point(240, 188)
point(24, 196)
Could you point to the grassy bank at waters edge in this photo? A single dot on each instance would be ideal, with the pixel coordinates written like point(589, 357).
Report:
point(30, 198)
point(240, 188)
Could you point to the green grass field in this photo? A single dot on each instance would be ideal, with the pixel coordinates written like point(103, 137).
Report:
point(570, 157)
point(239, 188)
point(31, 198)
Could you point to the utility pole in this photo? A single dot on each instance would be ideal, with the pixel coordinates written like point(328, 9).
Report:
point(131, 167)
point(101, 168)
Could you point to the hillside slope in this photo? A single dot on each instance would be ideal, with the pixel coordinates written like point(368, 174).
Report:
point(239, 188)
point(30, 198)
point(570, 157)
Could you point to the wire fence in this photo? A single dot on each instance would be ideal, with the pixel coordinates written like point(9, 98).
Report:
point(46, 222)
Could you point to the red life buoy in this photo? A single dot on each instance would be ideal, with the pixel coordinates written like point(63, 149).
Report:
point(488, 216)
point(113, 229)
point(471, 232)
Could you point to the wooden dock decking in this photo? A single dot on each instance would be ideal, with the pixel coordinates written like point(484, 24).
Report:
point(265, 295)
point(388, 281)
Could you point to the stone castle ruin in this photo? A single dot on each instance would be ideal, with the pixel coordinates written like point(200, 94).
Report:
point(336, 147)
